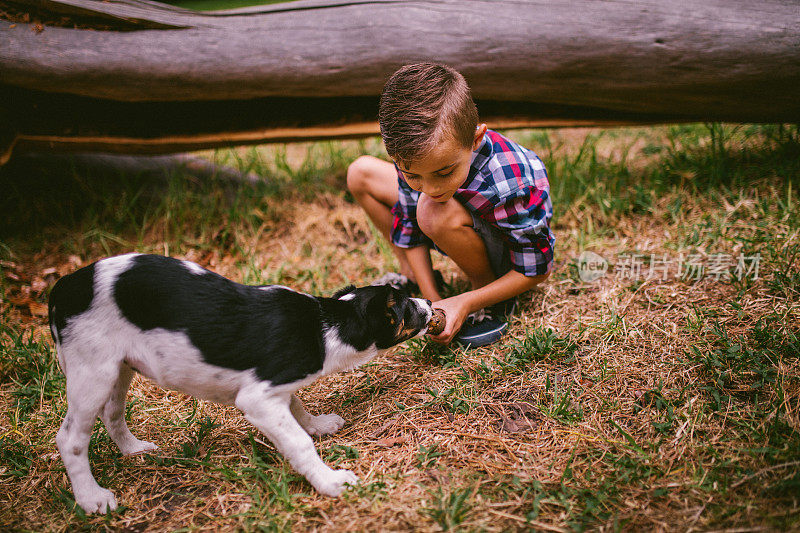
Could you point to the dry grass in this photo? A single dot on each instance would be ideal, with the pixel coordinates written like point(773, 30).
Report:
point(621, 404)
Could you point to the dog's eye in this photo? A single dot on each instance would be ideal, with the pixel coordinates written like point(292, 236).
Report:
point(393, 316)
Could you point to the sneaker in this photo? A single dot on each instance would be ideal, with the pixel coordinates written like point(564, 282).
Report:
point(401, 282)
point(505, 308)
point(486, 326)
point(398, 281)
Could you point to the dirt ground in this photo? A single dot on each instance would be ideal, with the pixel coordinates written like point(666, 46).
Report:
point(663, 396)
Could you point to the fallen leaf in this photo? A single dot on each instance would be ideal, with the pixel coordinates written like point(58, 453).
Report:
point(19, 301)
point(524, 407)
point(508, 425)
point(421, 397)
point(38, 308)
point(38, 285)
point(514, 417)
point(206, 259)
point(388, 442)
point(438, 477)
point(389, 423)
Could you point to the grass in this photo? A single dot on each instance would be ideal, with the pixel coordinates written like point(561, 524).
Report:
point(655, 398)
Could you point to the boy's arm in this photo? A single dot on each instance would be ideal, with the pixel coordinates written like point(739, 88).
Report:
point(525, 220)
point(419, 258)
point(458, 308)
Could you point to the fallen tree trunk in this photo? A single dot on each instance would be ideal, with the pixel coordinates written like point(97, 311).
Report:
point(154, 78)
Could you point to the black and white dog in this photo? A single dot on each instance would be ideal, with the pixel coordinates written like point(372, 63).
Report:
point(195, 331)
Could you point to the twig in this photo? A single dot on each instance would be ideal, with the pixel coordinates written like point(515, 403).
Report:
point(533, 523)
point(764, 471)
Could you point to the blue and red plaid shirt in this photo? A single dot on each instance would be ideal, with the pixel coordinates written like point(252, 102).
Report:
point(506, 186)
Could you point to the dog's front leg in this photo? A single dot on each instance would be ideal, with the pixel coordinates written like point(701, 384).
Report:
point(269, 411)
point(315, 425)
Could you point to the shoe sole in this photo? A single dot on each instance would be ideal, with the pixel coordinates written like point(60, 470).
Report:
point(484, 339)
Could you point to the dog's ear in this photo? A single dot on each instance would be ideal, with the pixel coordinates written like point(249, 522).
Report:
point(383, 300)
point(344, 290)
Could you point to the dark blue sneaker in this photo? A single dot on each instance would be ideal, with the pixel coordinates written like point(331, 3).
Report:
point(486, 326)
point(504, 309)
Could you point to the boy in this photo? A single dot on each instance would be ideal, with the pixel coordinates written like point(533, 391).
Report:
point(465, 190)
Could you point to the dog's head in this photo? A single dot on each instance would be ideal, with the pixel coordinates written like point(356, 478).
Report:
point(390, 315)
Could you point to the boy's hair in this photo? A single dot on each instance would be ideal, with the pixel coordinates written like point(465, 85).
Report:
point(421, 102)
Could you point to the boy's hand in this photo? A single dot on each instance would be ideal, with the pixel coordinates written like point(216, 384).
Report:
point(456, 311)
point(459, 307)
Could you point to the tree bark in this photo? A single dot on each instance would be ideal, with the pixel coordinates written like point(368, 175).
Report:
point(155, 78)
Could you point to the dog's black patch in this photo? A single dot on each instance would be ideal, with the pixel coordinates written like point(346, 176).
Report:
point(367, 318)
point(71, 296)
point(275, 331)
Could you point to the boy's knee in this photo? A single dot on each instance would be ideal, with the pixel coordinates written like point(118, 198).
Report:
point(358, 173)
point(435, 218)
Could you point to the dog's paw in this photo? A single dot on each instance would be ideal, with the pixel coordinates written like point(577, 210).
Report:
point(324, 424)
point(140, 446)
point(336, 482)
point(98, 500)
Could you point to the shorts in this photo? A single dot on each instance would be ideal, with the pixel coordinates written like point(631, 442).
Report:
point(498, 252)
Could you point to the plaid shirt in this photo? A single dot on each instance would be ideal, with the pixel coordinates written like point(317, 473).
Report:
point(506, 186)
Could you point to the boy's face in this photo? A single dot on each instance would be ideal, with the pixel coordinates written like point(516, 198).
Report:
point(444, 169)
